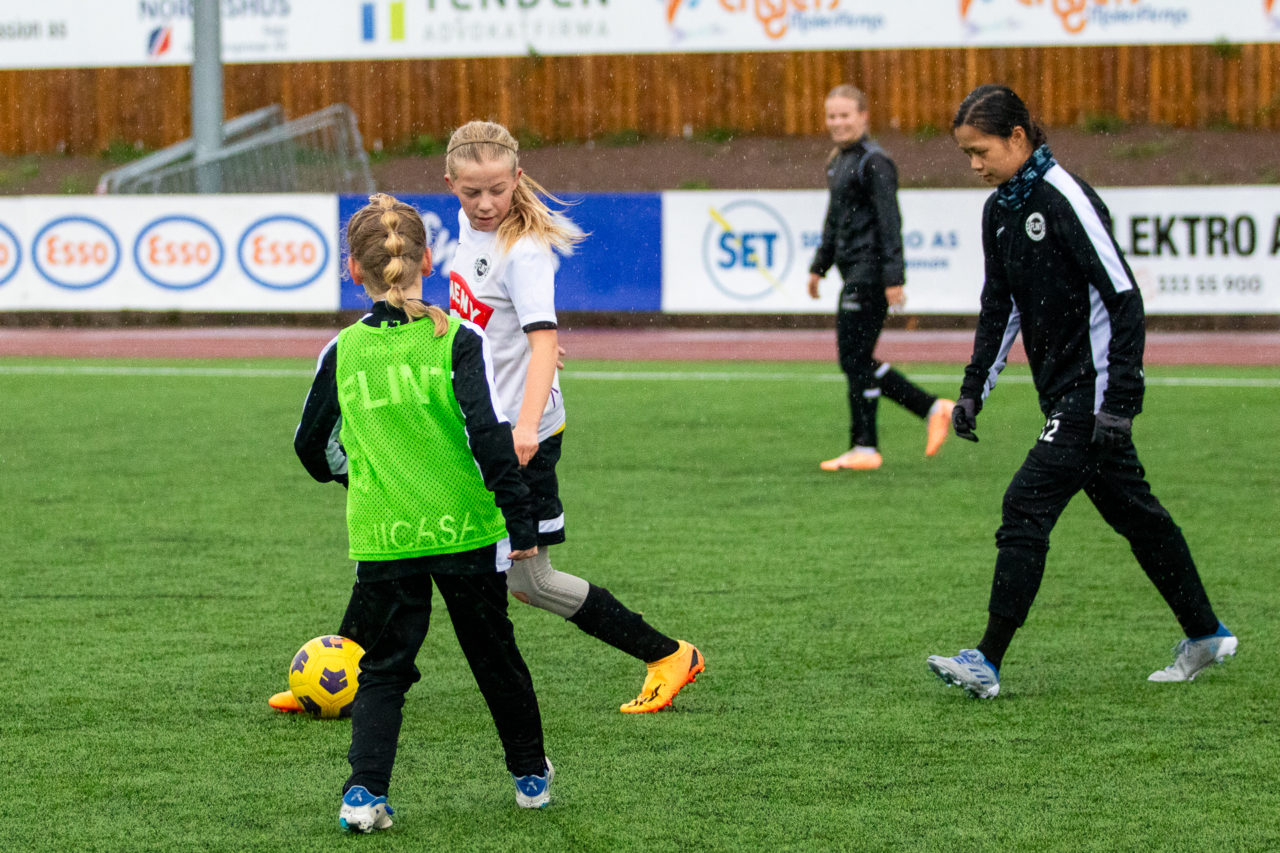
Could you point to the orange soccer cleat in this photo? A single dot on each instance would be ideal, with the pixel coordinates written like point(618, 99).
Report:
point(285, 701)
point(939, 425)
point(858, 459)
point(665, 678)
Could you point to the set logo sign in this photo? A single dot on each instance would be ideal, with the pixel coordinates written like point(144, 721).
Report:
point(76, 252)
point(10, 254)
point(747, 249)
point(178, 252)
point(283, 252)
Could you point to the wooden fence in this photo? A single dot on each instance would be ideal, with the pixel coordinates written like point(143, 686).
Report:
point(84, 111)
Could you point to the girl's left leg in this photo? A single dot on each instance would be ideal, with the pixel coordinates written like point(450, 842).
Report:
point(477, 606)
point(1123, 497)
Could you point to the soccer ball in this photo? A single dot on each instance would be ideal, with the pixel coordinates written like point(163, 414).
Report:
point(324, 676)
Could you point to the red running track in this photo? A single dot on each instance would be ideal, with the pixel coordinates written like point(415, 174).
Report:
point(1208, 348)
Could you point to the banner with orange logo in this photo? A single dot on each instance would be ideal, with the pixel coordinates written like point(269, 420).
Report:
point(105, 33)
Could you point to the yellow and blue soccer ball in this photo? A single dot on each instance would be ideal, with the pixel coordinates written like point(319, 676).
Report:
point(324, 676)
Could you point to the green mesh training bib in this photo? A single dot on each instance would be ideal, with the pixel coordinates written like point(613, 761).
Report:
point(414, 488)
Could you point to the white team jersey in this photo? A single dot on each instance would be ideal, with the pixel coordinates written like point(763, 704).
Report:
point(502, 293)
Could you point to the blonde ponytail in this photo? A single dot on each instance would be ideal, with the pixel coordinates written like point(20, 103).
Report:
point(388, 239)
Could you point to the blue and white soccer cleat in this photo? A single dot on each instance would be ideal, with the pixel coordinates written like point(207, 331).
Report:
point(363, 812)
point(970, 670)
point(534, 792)
point(1193, 655)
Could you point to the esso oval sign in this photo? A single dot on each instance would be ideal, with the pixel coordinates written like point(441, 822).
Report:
point(10, 254)
point(283, 252)
point(178, 252)
point(76, 252)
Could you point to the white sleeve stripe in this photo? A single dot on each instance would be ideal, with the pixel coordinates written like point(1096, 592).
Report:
point(1100, 344)
point(1097, 233)
point(494, 399)
point(1011, 329)
point(319, 361)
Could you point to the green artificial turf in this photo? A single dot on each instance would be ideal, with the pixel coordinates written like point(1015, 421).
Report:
point(165, 554)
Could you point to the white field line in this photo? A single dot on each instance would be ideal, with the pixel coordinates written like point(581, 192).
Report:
point(601, 375)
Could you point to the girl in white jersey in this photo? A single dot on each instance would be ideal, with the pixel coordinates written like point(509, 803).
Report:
point(503, 280)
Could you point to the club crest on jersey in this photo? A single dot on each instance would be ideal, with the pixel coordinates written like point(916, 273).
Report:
point(464, 303)
point(482, 267)
point(1035, 226)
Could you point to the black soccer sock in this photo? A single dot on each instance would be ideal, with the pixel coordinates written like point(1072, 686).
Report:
point(605, 618)
point(904, 392)
point(995, 642)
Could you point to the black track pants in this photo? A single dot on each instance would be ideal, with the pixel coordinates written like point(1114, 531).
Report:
point(859, 321)
point(393, 617)
point(1061, 464)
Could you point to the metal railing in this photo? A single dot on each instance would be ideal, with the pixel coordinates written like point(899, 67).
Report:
point(320, 152)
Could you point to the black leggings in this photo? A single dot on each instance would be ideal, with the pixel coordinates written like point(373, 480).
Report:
point(390, 619)
point(858, 323)
point(1061, 464)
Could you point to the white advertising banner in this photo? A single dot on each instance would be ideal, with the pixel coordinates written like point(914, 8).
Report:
point(103, 33)
point(184, 253)
point(749, 252)
point(1193, 250)
point(1201, 250)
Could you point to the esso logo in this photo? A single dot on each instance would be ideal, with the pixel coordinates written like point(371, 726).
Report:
point(76, 252)
point(178, 252)
point(283, 252)
point(747, 249)
point(10, 254)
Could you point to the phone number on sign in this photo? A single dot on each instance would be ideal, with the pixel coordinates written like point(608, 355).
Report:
point(1210, 284)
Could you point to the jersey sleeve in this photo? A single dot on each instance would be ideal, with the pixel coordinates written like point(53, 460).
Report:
point(998, 320)
point(882, 188)
point(825, 256)
point(489, 434)
point(315, 441)
point(531, 284)
point(1117, 326)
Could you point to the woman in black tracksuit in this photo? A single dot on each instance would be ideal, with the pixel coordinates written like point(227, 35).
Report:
point(1055, 273)
point(862, 237)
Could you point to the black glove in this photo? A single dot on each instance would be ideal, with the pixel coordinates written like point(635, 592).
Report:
point(341, 478)
point(1111, 431)
point(964, 418)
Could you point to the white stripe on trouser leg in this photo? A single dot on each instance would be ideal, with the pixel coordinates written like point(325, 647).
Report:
point(533, 581)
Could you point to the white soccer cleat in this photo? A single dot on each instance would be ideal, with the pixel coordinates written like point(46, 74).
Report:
point(970, 670)
point(363, 812)
point(1192, 656)
point(532, 791)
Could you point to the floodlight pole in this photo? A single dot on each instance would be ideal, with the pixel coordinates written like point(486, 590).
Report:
point(206, 93)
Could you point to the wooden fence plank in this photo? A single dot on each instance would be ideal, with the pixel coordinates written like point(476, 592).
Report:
point(581, 97)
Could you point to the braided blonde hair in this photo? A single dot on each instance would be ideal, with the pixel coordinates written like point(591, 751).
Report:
point(388, 239)
point(486, 141)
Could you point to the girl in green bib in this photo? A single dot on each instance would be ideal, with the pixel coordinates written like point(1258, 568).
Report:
point(403, 411)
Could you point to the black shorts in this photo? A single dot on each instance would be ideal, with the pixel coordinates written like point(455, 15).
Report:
point(540, 477)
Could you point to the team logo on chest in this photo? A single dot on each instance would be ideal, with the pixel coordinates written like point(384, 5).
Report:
point(482, 267)
point(1036, 227)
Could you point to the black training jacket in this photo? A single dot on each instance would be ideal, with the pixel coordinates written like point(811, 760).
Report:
point(1055, 272)
point(862, 232)
point(488, 431)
